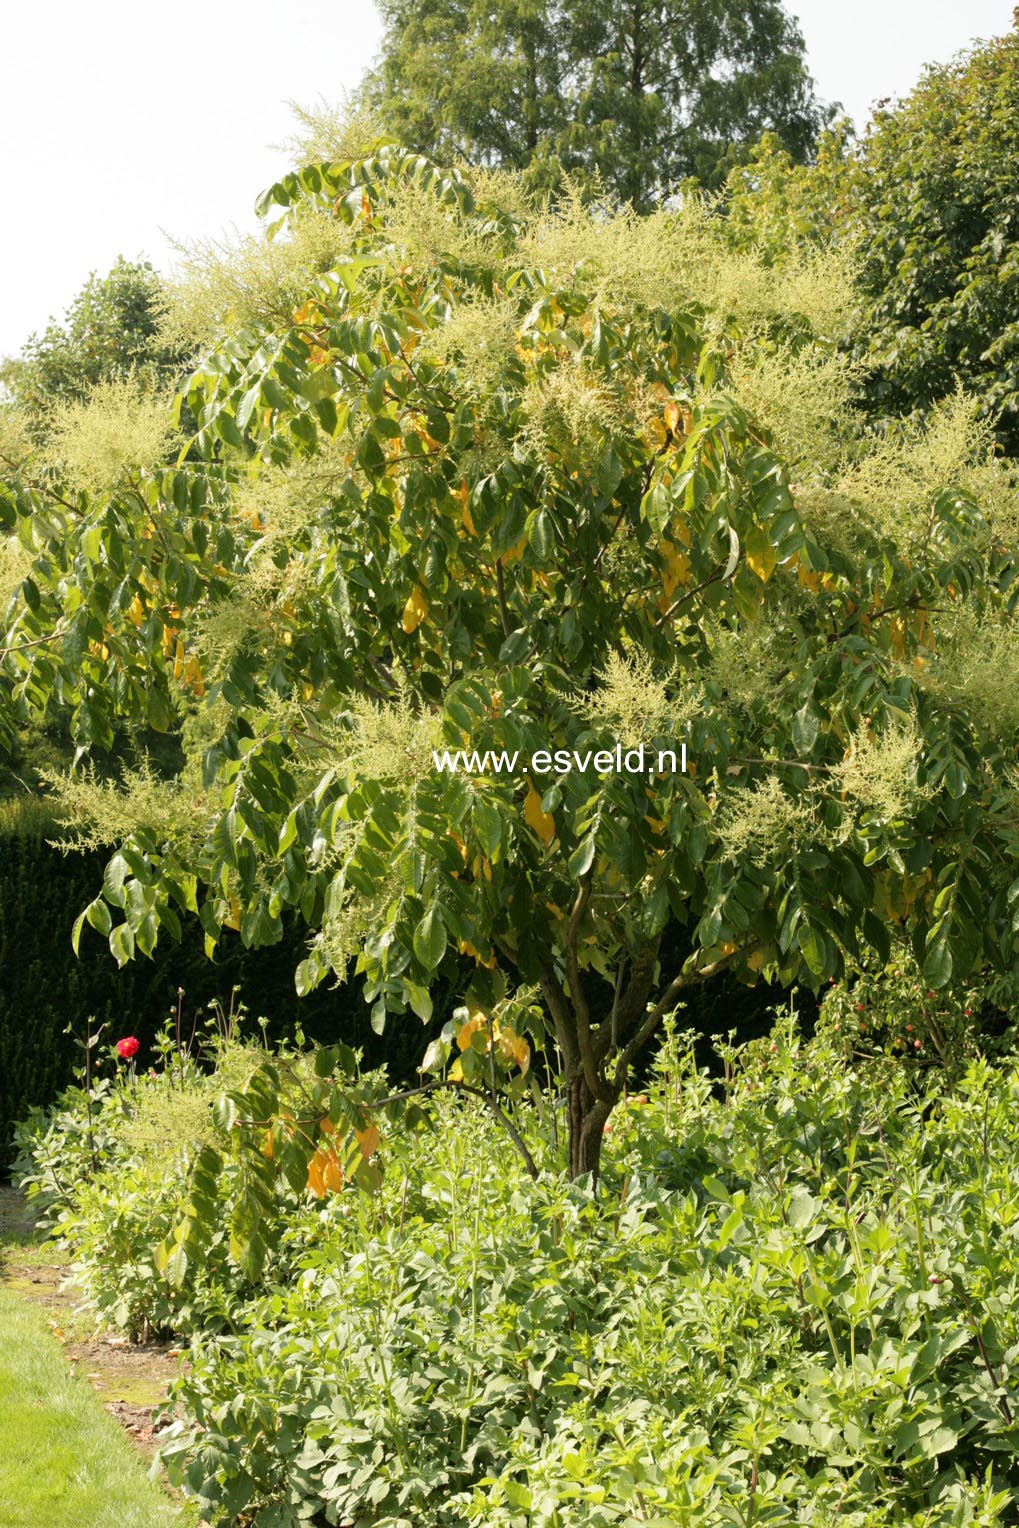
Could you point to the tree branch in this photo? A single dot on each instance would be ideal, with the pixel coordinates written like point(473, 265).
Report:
point(634, 1000)
point(21, 647)
point(688, 977)
point(581, 1009)
point(718, 574)
point(559, 1009)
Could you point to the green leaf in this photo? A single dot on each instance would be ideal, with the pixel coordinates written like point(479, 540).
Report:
point(430, 939)
point(805, 728)
point(419, 999)
point(309, 974)
point(582, 857)
point(325, 1061)
point(122, 944)
point(98, 915)
point(814, 947)
point(435, 1057)
point(937, 966)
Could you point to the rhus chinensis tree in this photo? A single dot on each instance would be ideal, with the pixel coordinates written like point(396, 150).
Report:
point(476, 475)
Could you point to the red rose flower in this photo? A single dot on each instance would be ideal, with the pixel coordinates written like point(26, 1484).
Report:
point(127, 1047)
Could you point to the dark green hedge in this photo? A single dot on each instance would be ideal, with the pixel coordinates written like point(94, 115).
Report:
point(44, 987)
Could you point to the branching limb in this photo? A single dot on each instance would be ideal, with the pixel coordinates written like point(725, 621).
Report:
point(581, 1008)
point(632, 1003)
point(20, 647)
point(690, 976)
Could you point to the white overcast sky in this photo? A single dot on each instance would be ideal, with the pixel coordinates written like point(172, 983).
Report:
point(124, 121)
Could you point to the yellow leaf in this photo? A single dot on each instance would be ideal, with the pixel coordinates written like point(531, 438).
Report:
point(466, 518)
point(325, 1172)
point(414, 611)
point(677, 568)
point(136, 611)
point(466, 1032)
point(536, 819)
point(897, 635)
point(368, 1141)
point(193, 677)
point(513, 1047)
point(656, 435)
point(762, 560)
point(466, 948)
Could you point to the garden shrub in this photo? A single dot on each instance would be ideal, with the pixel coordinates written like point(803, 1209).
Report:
point(793, 1304)
point(794, 1298)
point(109, 1171)
point(891, 1010)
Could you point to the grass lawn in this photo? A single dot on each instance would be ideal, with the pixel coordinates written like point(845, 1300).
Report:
point(63, 1460)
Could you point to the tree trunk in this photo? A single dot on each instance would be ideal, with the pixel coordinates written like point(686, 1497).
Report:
point(587, 1117)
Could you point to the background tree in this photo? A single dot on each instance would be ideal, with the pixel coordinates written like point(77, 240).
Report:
point(110, 332)
point(506, 480)
point(927, 197)
point(645, 93)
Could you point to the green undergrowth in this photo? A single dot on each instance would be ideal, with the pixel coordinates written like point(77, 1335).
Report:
point(793, 1298)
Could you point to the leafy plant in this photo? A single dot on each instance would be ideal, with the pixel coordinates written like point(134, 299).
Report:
point(795, 1305)
point(488, 488)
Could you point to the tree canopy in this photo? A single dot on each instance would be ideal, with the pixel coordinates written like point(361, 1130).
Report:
point(644, 93)
point(507, 479)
